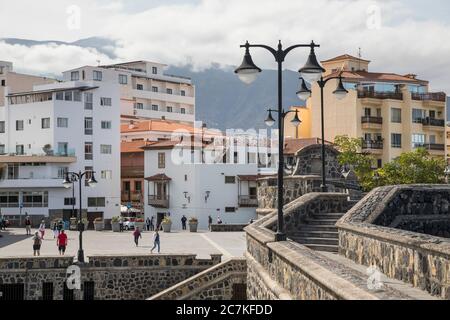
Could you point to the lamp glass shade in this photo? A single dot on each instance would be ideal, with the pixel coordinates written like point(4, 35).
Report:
point(303, 93)
point(247, 78)
point(67, 184)
point(270, 121)
point(312, 71)
point(296, 121)
point(92, 182)
point(311, 77)
point(340, 91)
point(247, 71)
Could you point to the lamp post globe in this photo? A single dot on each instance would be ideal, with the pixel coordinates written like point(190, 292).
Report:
point(270, 121)
point(296, 121)
point(247, 71)
point(303, 93)
point(340, 91)
point(312, 70)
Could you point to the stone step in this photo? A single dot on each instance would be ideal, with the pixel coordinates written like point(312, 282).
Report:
point(320, 228)
point(323, 247)
point(327, 241)
point(324, 222)
point(336, 216)
point(315, 234)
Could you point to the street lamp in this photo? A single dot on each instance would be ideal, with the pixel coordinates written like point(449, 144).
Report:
point(248, 72)
point(69, 181)
point(340, 93)
point(447, 173)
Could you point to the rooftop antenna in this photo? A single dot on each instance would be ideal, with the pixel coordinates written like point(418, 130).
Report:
point(359, 56)
point(98, 62)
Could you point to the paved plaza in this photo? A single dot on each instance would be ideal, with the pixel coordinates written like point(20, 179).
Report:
point(15, 243)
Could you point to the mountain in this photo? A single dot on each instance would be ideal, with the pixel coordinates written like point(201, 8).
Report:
point(222, 100)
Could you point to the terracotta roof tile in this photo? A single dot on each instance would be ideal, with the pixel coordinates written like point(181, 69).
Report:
point(375, 76)
point(134, 146)
point(344, 57)
point(292, 146)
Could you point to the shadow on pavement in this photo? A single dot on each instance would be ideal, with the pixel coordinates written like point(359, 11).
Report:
point(8, 238)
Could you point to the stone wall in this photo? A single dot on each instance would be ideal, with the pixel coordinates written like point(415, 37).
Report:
point(114, 277)
point(382, 231)
point(228, 227)
point(309, 161)
point(215, 283)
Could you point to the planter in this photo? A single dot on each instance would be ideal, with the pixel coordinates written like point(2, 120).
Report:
point(193, 226)
point(140, 225)
point(99, 226)
point(73, 224)
point(166, 226)
point(115, 226)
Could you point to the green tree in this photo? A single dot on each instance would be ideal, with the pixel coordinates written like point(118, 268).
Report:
point(413, 167)
point(361, 163)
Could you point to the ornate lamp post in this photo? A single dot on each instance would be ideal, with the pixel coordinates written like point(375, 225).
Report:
point(248, 72)
point(69, 181)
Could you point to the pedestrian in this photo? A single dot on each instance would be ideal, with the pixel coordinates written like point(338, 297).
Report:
point(55, 230)
point(137, 234)
point(42, 229)
point(120, 224)
point(28, 225)
point(219, 221)
point(209, 222)
point(183, 222)
point(61, 242)
point(156, 241)
point(147, 223)
point(152, 225)
point(37, 242)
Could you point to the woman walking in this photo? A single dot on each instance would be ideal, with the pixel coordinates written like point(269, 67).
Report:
point(55, 230)
point(42, 229)
point(137, 234)
point(156, 241)
point(37, 242)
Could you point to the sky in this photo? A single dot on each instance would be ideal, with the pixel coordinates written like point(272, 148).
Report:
point(401, 36)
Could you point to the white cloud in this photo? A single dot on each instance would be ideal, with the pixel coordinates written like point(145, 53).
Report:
point(212, 30)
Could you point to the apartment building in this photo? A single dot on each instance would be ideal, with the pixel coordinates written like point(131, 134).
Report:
point(73, 125)
point(391, 113)
point(148, 93)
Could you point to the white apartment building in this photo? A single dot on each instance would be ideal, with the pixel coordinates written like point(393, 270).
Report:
point(148, 93)
point(200, 180)
point(73, 125)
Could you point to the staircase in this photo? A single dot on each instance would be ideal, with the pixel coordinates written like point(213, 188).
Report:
point(319, 232)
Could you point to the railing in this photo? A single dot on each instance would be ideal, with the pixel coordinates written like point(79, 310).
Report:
point(248, 201)
point(433, 122)
point(431, 96)
point(430, 146)
point(158, 201)
point(372, 144)
point(369, 119)
point(131, 196)
point(380, 95)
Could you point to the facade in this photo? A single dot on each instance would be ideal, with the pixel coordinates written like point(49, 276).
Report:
point(148, 93)
point(392, 113)
point(72, 126)
point(448, 144)
point(303, 131)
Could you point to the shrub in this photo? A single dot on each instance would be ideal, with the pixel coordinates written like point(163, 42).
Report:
point(139, 220)
point(115, 219)
point(166, 220)
point(98, 220)
point(193, 220)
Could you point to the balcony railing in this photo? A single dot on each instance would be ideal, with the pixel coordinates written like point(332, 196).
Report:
point(158, 201)
point(369, 119)
point(372, 144)
point(430, 146)
point(380, 95)
point(433, 122)
point(431, 96)
point(131, 196)
point(248, 201)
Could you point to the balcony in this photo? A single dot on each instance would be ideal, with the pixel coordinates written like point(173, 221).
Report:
point(380, 95)
point(430, 96)
point(369, 122)
point(373, 146)
point(248, 201)
point(129, 196)
point(175, 116)
point(430, 146)
point(434, 124)
point(158, 201)
point(161, 96)
point(31, 183)
point(57, 158)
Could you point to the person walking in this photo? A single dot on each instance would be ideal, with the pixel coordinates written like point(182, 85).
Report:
point(209, 222)
point(152, 225)
point(183, 222)
point(55, 230)
point(28, 225)
point(219, 221)
point(120, 224)
point(42, 229)
point(37, 242)
point(61, 242)
point(156, 242)
point(147, 223)
point(137, 234)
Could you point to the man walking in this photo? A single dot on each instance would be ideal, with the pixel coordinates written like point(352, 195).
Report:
point(152, 225)
point(120, 224)
point(147, 223)
point(183, 222)
point(61, 242)
point(37, 242)
point(137, 234)
point(28, 225)
point(156, 241)
point(209, 222)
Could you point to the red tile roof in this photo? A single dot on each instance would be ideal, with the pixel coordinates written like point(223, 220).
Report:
point(376, 77)
point(292, 146)
point(134, 146)
point(344, 57)
point(155, 125)
point(158, 177)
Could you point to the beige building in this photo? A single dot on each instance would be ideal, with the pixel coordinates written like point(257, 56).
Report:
point(392, 113)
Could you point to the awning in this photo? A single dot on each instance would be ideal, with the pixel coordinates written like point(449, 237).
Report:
point(158, 177)
point(248, 177)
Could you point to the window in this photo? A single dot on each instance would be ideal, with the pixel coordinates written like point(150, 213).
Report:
point(230, 179)
point(139, 105)
point(379, 163)
point(183, 93)
point(396, 115)
point(417, 140)
point(2, 126)
point(105, 149)
point(2, 149)
point(68, 95)
point(88, 100)
point(367, 112)
point(75, 76)
point(432, 139)
point(62, 171)
point(169, 91)
point(183, 111)
point(88, 151)
point(105, 102)
point(9, 199)
point(3, 83)
point(62, 122)
point(230, 209)
point(106, 174)
point(60, 95)
point(396, 140)
point(45, 123)
point(432, 114)
point(161, 160)
point(36, 199)
point(123, 79)
point(169, 109)
point(155, 89)
point(106, 124)
point(20, 149)
point(126, 186)
point(98, 75)
point(63, 148)
point(417, 115)
point(77, 96)
point(154, 70)
point(19, 125)
point(138, 186)
point(88, 126)
point(96, 202)
point(140, 86)
point(70, 201)
point(155, 107)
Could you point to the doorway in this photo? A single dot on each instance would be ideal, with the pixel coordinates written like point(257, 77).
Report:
point(159, 218)
point(91, 216)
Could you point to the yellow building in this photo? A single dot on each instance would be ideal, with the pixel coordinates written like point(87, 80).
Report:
point(392, 113)
point(304, 129)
